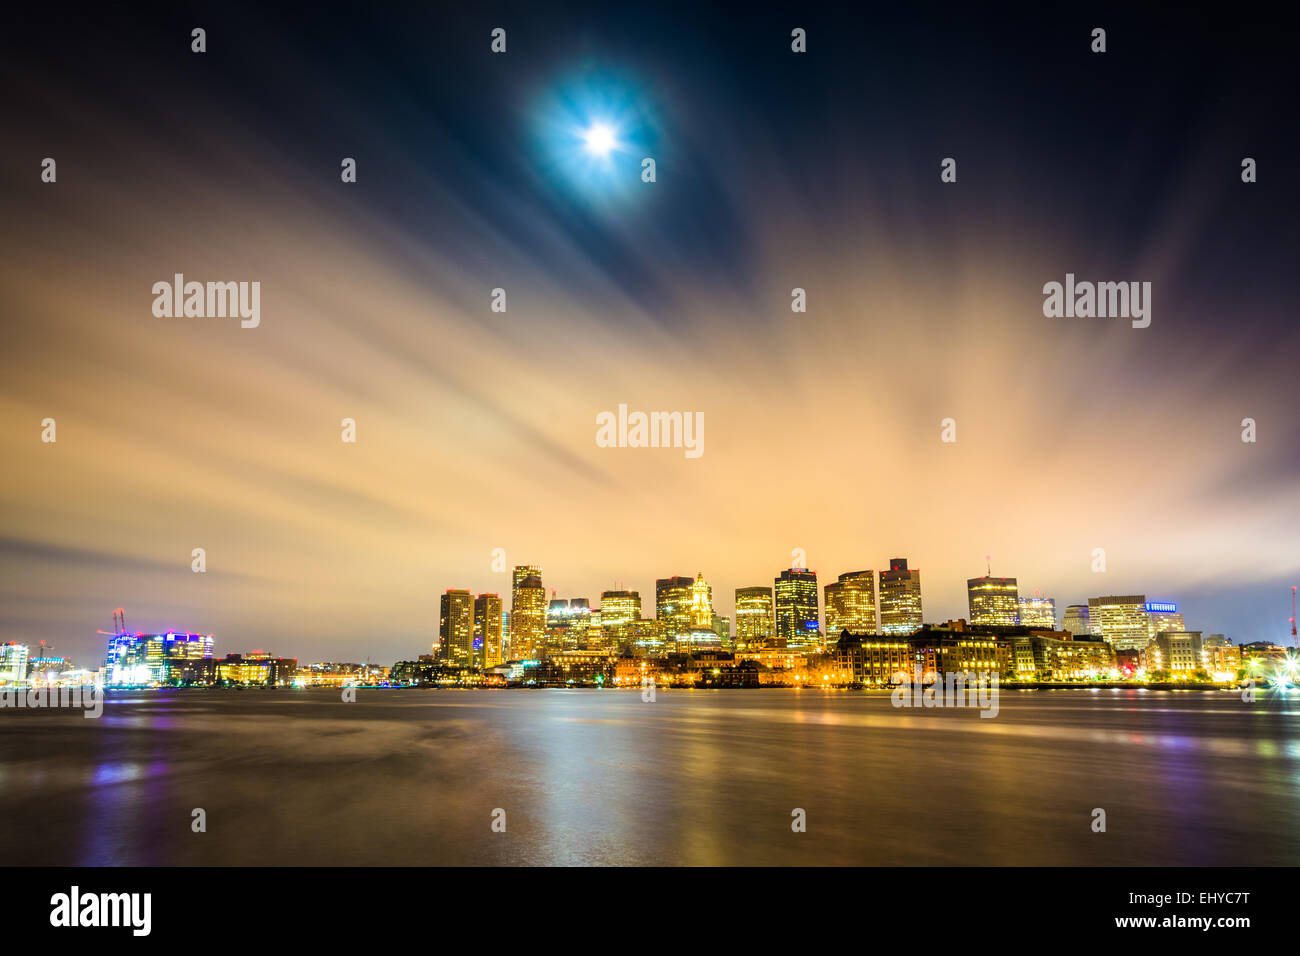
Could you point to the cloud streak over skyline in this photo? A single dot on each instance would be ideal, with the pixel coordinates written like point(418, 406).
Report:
point(476, 429)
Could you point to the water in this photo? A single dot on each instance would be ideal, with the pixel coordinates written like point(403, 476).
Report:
point(696, 777)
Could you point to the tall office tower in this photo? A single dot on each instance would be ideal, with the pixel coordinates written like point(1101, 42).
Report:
point(900, 598)
point(701, 604)
point(528, 619)
point(754, 621)
point(456, 627)
point(1038, 611)
point(796, 607)
point(1163, 617)
point(851, 605)
point(487, 629)
point(557, 612)
point(619, 608)
point(993, 600)
point(722, 628)
point(1075, 621)
point(505, 637)
point(1121, 619)
point(673, 606)
point(522, 572)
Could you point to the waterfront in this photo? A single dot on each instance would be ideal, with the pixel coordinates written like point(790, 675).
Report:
point(696, 777)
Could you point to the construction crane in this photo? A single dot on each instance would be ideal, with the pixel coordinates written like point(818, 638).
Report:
point(1295, 643)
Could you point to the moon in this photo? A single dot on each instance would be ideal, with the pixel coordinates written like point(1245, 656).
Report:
point(599, 139)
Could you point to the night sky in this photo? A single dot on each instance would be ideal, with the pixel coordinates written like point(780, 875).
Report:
point(775, 170)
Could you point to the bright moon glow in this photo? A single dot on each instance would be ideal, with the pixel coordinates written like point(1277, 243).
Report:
point(600, 139)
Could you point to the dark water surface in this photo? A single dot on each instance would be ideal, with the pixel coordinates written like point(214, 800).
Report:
point(696, 777)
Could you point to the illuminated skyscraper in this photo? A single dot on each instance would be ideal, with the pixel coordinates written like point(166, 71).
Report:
point(722, 628)
point(851, 604)
point(1075, 621)
point(1164, 617)
point(993, 601)
point(528, 619)
point(456, 627)
point(797, 621)
point(620, 610)
point(1121, 619)
point(701, 603)
point(487, 629)
point(900, 598)
point(673, 606)
point(755, 624)
point(557, 612)
point(1038, 611)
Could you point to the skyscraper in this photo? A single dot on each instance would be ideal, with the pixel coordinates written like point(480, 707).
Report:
point(1121, 619)
point(900, 598)
point(1164, 617)
point(618, 608)
point(1038, 611)
point(851, 604)
point(1075, 620)
point(673, 606)
point(487, 629)
point(754, 620)
point(701, 604)
point(456, 627)
point(993, 600)
point(796, 607)
point(528, 617)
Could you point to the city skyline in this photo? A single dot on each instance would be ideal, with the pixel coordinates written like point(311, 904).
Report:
point(475, 612)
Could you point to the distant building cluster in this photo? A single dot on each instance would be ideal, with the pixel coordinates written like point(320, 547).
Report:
point(861, 628)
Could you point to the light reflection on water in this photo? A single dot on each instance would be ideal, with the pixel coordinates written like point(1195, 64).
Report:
point(697, 777)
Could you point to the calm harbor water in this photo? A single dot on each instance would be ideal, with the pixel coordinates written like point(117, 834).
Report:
point(696, 777)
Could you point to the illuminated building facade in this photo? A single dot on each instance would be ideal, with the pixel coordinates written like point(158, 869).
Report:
point(487, 630)
point(900, 598)
point(754, 617)
point(1178, 652)
point(528, 618)
point(1121, 620)
point(722, 628)
point(701, 604)
point(851, 605)
point(619, 608)
point(1222, 657)
point(1076, 620)
point(456, 627)
point(646, 638)
point(154, 658)
point(993, 601)
point(673, 606)
point(864, 660)
point(1163, 617)
point(619, 612)
point(1038, 612)
point(797, 622)
point(13, 663)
